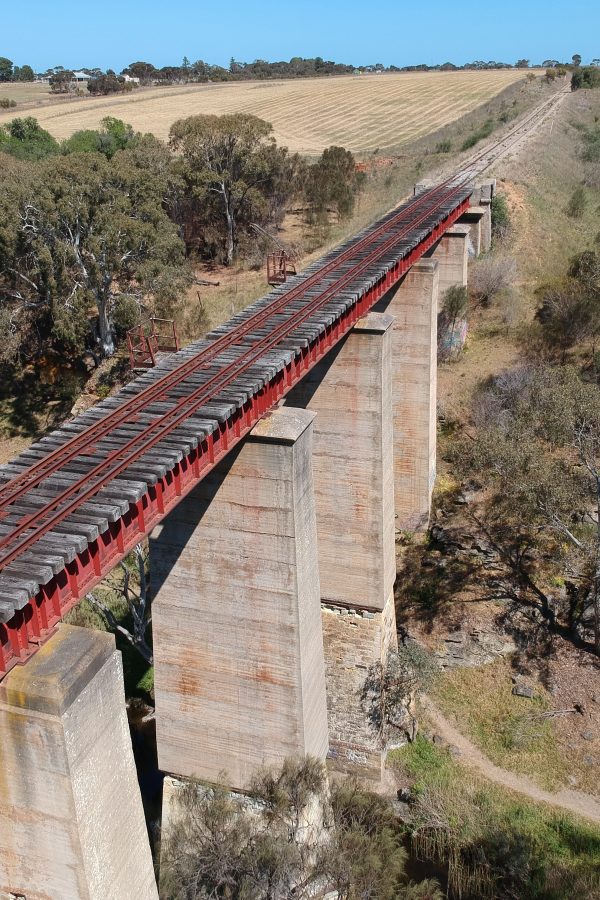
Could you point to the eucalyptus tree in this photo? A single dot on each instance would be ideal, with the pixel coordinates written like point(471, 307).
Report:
point(234, 172)
point(84, 238)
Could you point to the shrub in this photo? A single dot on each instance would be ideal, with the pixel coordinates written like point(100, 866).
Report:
point(577, 204)
point(443, 147)
point(482, 132)
point(469, 142)
point(453, 313)
point(7, 103)
point(500, 216)
point(263, 846)
point(491, 277)
point(26, 139)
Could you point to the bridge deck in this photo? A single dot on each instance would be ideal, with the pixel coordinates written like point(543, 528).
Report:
point(75, 502)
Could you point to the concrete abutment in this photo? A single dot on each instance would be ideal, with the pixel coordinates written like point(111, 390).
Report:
point(71, 818)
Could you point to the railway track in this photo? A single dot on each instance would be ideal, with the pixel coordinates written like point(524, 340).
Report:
point(76, 501)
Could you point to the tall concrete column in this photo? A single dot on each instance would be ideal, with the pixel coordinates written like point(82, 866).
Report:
point(238, 647)
point(71, 818)
point(351, 393)
point(486, 225)
point(452, 255)
point(473, 217)
point(413, 304)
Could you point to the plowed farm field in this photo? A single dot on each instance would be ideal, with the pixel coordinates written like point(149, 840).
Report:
point(360, 112)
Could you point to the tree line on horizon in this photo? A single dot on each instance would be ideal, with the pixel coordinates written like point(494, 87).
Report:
point(109, 81)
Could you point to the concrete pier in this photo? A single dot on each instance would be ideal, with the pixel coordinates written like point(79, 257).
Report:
point(413, 304)
point(474, 217)
point(71, 818)
point(356, 644)
point(238, 648)
point(452, 254)
point(351, 393)
point(486, 225)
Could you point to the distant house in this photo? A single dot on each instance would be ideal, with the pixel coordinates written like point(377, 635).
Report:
point(81, 77)
point(130, 79)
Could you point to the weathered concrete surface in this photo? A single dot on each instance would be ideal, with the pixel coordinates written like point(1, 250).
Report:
point(486, 225)
point(356, 642)
point(413, 304)
point(71, 818)
point(452, 254)
point(238, 648)
point(351, 392)
point(474, 217)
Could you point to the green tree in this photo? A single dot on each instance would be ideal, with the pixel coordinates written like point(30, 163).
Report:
point(333, 181)
point(26, 139)
point(538, 446)
point(114, 135)
point(143, 70)
point(217, 848)
point(576, 60)
point(105, 84)
point(23, 73)
point(234, 172)
point(81, 231)
point(6, 69)
point(61, 82)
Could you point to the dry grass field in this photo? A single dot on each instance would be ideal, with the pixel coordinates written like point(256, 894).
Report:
point(362, 112)
point(26, 92)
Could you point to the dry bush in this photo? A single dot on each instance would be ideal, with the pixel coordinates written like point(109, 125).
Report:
point(491, 276)
point(510, 307)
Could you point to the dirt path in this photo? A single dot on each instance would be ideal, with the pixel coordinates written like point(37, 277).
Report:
point(573, 801)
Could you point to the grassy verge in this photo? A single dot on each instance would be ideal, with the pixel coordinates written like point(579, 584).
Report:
point(512, 731)
point(494, 844)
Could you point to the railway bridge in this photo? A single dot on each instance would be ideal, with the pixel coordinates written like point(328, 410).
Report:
point(269, 464)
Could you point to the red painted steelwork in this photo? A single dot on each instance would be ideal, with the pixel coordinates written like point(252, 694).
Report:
point(279, 267)
point(21, 637)
point(62, 455)
point(93, 480)
point(144, 348)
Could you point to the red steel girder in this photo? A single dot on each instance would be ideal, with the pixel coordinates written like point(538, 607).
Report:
point(21, 637)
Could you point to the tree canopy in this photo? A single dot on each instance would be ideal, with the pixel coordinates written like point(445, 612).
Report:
point(81, 233)
point(539, 439)
point(26, 139)
point(234, 173)
point(220, 847)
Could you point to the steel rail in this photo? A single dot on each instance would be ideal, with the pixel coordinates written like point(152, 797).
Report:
point(171, 419)
point(51, 463)
point(522, 125)
point(36, 473)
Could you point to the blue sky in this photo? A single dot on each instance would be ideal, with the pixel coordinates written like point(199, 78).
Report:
point(113, 33)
